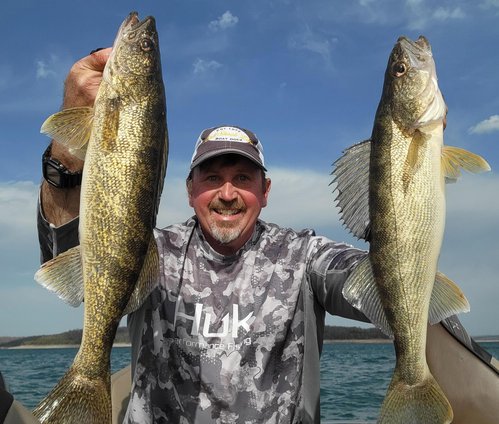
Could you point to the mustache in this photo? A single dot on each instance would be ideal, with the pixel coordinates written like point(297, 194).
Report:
point(222, 204)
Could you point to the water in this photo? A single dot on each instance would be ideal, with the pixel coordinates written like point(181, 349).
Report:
point(32, 373)
point(354, 377)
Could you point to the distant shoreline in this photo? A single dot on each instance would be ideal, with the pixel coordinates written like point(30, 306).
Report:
point(62, 346)
point(360, 341)
point(329, 341)
point(56, 346)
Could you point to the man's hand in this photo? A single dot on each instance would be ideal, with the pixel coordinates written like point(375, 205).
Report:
point(82, 82)
point(80, 89)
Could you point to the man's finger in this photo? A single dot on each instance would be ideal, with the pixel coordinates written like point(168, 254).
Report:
point(98, 58)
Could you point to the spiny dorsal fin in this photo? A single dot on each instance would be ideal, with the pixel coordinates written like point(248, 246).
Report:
point(351, 175)
point(71, 127)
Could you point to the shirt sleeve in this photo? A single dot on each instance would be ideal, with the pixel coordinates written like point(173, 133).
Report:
point(329, 266)
point(55, 240)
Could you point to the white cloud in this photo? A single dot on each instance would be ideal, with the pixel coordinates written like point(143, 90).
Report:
point(34, 89)
point(227, 20)
point(174, 204)
point(443, 14)
point(488, 4)
point(487, 126)
point(202, 66)
point(19, 250)
point(18, 200)
point(469, 252)
point(50, 67)
point(43, 71)
point(300, 198)
point(313, 42)
point(420, 14)
point(408, 14)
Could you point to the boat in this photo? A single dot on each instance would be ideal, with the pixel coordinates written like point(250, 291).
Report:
point(467, 373)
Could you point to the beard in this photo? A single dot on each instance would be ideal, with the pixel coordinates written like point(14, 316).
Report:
point(226, 232)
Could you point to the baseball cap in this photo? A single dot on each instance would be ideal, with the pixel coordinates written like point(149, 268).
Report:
point(226, 139)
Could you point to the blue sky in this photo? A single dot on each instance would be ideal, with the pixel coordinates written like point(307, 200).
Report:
point(306, 76)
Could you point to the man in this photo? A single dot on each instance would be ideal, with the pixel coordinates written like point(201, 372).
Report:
point(232, 333)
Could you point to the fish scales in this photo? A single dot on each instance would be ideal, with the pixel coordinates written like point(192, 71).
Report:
point(125, 163)
point(407, 224)
point(404, 192)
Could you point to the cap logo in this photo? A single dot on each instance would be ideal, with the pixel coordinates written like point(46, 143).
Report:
point(228, 134)
point(227, 139)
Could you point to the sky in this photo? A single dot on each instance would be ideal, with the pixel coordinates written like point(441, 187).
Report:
point(305, 76)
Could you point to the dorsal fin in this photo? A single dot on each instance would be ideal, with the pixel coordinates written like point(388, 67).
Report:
point(351, 175)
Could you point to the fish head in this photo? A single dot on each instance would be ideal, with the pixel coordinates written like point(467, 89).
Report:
point(135, 57)
point(411, 85)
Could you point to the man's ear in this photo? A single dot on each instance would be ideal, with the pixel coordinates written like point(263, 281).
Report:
point(188, 186)
point(268, 183)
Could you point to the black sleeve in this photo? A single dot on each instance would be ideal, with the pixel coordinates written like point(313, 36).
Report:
point(54, 240)
point(328, 271)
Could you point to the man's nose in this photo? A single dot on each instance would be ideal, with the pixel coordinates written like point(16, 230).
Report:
point(227, 191)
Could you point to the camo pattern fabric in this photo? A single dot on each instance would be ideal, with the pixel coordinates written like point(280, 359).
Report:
point(221, 339)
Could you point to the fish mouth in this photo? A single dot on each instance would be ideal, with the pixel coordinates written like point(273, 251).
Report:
point(419, 51)
point(132, 23)
point(421, 43)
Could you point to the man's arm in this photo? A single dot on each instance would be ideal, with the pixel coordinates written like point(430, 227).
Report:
point(328, 270)
point(57, 229)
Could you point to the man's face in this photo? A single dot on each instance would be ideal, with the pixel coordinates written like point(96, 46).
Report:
point(227, 194)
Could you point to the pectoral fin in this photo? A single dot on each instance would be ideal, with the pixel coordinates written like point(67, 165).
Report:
point(63, 275)
point(361, 291)
point(71, 127)
point(454, 159)
point(351, 175)
point(148, 278)
point(447, 299)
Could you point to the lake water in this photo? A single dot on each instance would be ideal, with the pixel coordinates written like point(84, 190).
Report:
point(354, 376)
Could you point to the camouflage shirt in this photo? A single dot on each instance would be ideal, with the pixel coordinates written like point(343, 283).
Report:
point(236, 339)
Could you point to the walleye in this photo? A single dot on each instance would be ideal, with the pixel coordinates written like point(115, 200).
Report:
point(116, 264)
point(391, 192)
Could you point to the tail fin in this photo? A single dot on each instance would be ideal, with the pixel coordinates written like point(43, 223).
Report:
point(77, 399)
point(424, 403)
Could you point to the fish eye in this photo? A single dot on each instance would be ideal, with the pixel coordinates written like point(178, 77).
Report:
point(146, 44)
point(399, 69)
